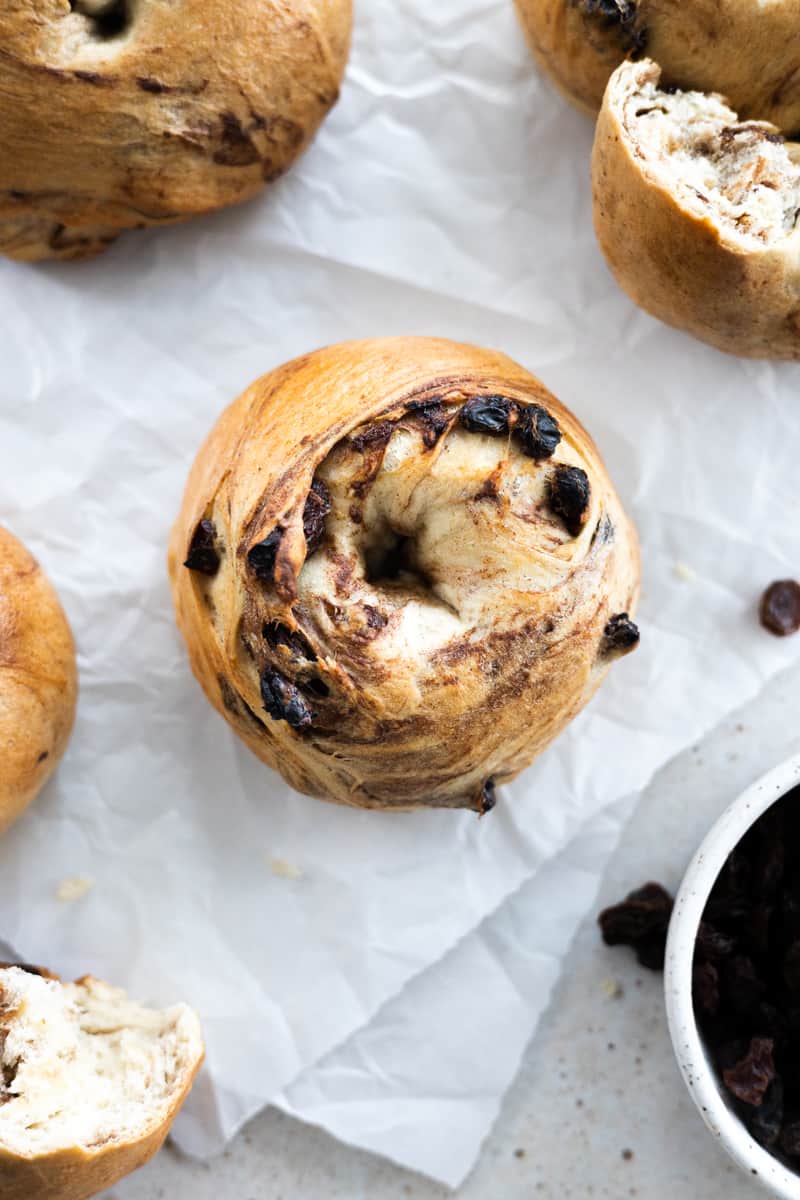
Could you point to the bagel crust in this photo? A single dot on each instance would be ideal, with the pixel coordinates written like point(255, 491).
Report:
point(99, 1078)
point(400, 569)
point(696, 213)
point(119, 114)
point(38, 679)
point(745, 49)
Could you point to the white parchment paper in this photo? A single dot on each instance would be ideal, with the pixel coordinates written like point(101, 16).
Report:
point(447, 194)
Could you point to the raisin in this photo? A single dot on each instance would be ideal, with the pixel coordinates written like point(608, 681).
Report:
point(765, 1123)
point(790, 1139)
point(705, 989)
point(488, 414)
point(203, 555)
point(620, 635)
point(261, 557)
point(569, 496)
point(780, 607)
point(433, 417)
point(791, 967)
point(744, 987)
point(317, 507)
point(640, 921)
point(283, 701)
point(537, 432)
point(749, 1079)
point(651, 950)
point(488, 798)
point(712, 944)
point(277, 635)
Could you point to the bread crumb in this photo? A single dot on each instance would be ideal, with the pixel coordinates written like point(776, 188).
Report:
point(612, 988)
point(286, 870)
point(73, 889)
point(685, 572)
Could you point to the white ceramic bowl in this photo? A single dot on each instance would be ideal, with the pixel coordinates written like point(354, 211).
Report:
point(696, 1068)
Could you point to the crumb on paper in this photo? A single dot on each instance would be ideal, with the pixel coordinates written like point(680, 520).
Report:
point(283, 868)
point(612, 988)
point(70, 890)
point(685, 572)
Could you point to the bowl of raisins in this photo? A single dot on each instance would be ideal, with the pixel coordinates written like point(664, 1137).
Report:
point(732, 980)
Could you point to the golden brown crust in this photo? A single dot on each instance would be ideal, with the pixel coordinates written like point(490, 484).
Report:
point(78, 1173)
point(38, 679)
point(677, 262)
point(191, 107)
point(393, 723)
point(698, 46)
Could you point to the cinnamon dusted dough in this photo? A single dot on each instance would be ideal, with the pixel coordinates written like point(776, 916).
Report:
point(90, 1083)
point(117, 114)
point(38, 679)
point(400, 569)
point(749, 50)
point(697, 214)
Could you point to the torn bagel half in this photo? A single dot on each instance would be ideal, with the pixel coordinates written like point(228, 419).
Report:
point(400, 570)
point(697, 214)
point(90, 1083)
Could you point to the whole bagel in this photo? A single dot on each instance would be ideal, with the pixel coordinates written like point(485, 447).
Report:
point(38, 679)
point(697, 214)
point(400, 569)
point(118, 114)
point(747, 49)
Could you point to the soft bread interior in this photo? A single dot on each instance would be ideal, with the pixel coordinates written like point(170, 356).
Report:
point(83, 1066)
point(739, 172)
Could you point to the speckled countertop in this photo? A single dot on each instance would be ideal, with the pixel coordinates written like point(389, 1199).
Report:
point(598, 1109)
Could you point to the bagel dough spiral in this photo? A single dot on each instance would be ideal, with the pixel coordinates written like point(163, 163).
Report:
point(400, 569)
point(118, 114)
point(38, 679)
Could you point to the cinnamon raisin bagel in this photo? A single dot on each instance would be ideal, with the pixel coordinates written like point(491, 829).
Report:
point(119, 114)
point(747, 49)
point(90, 1083)
point(400, 569)
point(697, 214)
point(38, 679)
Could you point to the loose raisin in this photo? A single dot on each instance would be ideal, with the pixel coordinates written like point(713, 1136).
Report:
point(643, 916)
point(570, 496)
point(780, 607)
point(283, 701)
point(203, 555)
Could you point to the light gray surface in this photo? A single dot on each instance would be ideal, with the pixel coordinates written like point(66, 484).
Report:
point(599, 1109)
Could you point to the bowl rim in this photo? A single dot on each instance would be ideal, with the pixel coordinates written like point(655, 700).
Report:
point(695, 1067)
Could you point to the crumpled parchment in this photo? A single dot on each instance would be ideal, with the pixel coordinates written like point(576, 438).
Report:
point(448, 194)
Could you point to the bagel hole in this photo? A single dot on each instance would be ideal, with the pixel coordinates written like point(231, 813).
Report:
point(109, 18)
point(391, 564)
